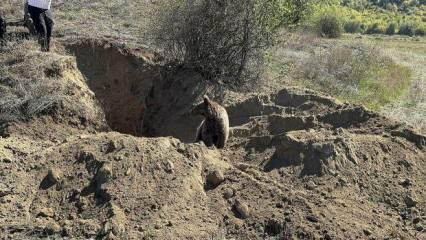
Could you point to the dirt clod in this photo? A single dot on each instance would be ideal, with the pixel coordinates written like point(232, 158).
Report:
point(215, 178)
point(169, 167)
point(242, 209)
point(228, 193)
point(55, 175)
point(104, 174)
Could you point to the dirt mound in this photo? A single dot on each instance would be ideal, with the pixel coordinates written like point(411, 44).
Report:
point(299, 165)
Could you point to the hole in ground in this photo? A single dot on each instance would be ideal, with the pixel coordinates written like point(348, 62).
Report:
point(138, 96)
point(120, 80)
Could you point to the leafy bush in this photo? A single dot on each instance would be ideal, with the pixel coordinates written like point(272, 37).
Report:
point(220, 39)
point(391, 29)
point(406, 29)
point(357, 73)
point(330, 26)
point(420, 31)
point(353, 27)
point(374, 28)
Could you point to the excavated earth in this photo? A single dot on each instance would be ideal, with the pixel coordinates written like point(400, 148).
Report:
point(122, 165)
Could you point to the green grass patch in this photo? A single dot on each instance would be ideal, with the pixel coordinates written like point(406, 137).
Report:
point(382, 86)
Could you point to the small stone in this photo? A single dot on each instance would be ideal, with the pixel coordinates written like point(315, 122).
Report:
point(237, 223)
point(366, 232)
point(404, 182)
point(141, 229)
point(46, 212)
point(419, 228)
point(416, 220)
point(7, 160)
point(169, 167)
point(343, 182)
point(310, 185)
point(104, 174)
point(410, 201)
point(312, 218)
point(242, 209)
point(215, 178)
point(128, 172)
point(55, 175)
point(228, 193)
point(52, 228)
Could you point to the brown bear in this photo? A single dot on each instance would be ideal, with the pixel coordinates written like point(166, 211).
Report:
point(214, 129)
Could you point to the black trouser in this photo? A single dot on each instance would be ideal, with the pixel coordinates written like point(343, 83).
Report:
point(43, 22)
point(2, 27)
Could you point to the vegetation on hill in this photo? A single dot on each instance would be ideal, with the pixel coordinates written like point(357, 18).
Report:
point(375, 17)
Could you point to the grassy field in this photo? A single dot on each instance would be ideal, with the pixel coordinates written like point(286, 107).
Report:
point(384, 73)
point(412, 106)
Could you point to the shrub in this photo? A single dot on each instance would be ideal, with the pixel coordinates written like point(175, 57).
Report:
point(420, 31)
point(374, 29)
point(353, 27)
point(357, 73)
point(220, 39)
point(391, 29)
point(329, 26)
point(406, 29)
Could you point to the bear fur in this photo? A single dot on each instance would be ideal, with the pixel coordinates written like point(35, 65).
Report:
point(214, 129)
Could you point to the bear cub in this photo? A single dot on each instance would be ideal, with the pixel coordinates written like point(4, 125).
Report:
point(214, 129)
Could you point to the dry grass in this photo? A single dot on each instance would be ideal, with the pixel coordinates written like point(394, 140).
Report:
point(117, 19)
point(351, 71)
point(25, 91)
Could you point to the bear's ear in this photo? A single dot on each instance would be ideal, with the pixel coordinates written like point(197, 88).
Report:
point(206, 99)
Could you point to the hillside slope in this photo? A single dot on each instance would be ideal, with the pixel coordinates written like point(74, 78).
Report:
point(299, 165)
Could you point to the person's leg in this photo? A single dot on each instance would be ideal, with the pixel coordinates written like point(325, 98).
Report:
point(2, 27)
point(35, 14)
point(49, 26)
point(44, 44)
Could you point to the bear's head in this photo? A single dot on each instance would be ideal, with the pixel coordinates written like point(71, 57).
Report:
point(205, 108)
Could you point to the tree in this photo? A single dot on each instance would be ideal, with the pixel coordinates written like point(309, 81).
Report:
point(221, 39)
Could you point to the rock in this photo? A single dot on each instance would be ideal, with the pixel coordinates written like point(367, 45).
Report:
point(312, 218)
point(112, 146)
point(242, 209)
point(169, 167)
point(7, 160)
point(215, 178)
point(410, 201)
point(104, 174)
point(52, 228)
point(366, 232)
point(45, 212)
point(404, 182)
point(419, 227)
point(55, 175)
point(327, 236)
point(310, 185)
point(86, 156)
point(416, 220)
point(228, 193)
